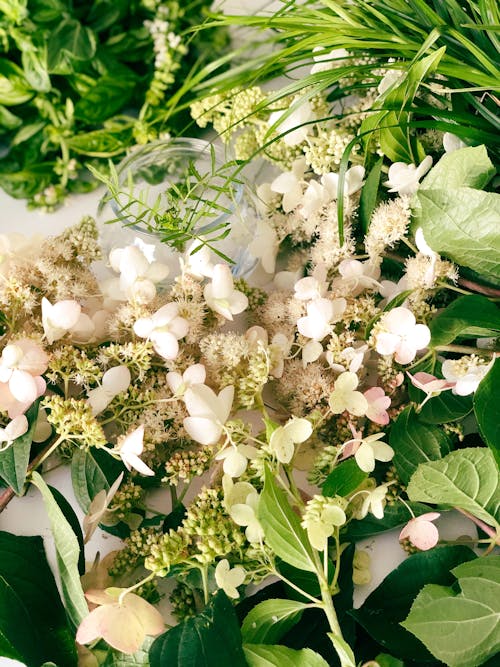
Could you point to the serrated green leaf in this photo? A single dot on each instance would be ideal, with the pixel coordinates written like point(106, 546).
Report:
point(389, 604)
point(415, 442)
point(14, 460)
point(449, 219)
point(67, 552)
point(344, 479)
point(461, 629)
point(467, 167)
point(471, 315)
point(263, 655)
point(210, 639)
point(487, 409)
point(282, 529)
point(467, 478)
point(33, 624)
point(268, 621)
point(92, 471)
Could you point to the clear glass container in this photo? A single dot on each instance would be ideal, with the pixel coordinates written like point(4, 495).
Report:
point(171, 191)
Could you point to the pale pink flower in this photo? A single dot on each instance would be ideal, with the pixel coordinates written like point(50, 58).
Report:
point(345, 397)
point(221, 296)
point(321, 314)
point(401, 335)
point(208, 412)
point(429, 384)
point(421, 532)
point(404, 178)
point(130, 448)
point(123, 623)
point(98, 508)
point(378, 403)
point(164, 329)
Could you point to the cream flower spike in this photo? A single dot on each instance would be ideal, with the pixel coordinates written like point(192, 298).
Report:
point(114, 382)
point(130, 448)
point(221, 296)
point(59, 318)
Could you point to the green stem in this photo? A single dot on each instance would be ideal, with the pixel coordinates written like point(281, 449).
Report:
point(204, 579)
point(464, 349)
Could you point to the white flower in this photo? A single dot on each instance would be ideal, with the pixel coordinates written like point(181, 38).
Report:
point(290, 184)
point(353, 181)
point(345, 397)
point(312, 287)
point(228, 578)
point(352, 358)
point(466, 373)
point(245, 514)
point(404, 178)
point(281, 346)
point(368, 449)
point(265, 246)
point(284, 438)
point(356, 276)
point(208, 412)
point(114, 382)
point(401, 336)
point(320, 528)
point(179, 384)
point(59, 318)
point(321, 314)
point(313, 199)
point(374, 502)
point(135, 264)
point(390, 78)
point(14, 429)
point(389, 289)
point(311, 352)
point(296, 119)
point(164, 328)
point(426, 250)
point(236, 459)
point(130, 448)
point(197, 260)
point(221, 296)
point(452, 143)
point(21, 366)
point(327, 61)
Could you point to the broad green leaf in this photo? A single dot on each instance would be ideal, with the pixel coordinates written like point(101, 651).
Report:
point(70, 39)
point(9, 120)
point(14, 89)
point(263, 655)
point(369, 194)
point(35, 70)
point(138, 659)
point(26, 182)
point(467, 478)
point(72, 519)
point(394, 515)
point(445, 408)
point(487, 409)
point(472, 315)
point(389, 604)
point(67, 552)
point(282, 529)
point(100, 143)
point(104, 99)
point(92, 471)
point(384, 660)
point(415, 442)
point(461, 628)
point(268, 621)
point(467, 167)
point(33, 624)
point(14, 460)
point(462, 224)
point(210, 639)
point(344, 479)
point(344, 651)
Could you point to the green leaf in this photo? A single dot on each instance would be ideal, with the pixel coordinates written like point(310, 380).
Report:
point(92, 471)
point(67, 552)
point(449, 219)
point(138, 659)
point(471, 315)
point(344, 479)
point(445, 408)
point(35, 70)
point(14, 89)
point(72, 519)
point(268, 621)
point(461, 628)
point(100, 143)
point(14, 460)
point(210, 639)
point(344, 651)
point(467, 167)
point(33, 624)
point(282, 529)
point(467, 478)
point(26, 182)
point(70, 39)
point(9, 120)
point(487, 409)
point(415, 442)
point(263, 655)
point(369, 194)
point(394, 516)
point(104, 99)
point(388, 605)
point(384, 660)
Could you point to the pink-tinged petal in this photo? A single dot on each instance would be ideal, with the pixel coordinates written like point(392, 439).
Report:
point(41, 386)
point(420, 336)
point(150, 618)
point(35, 360)
point(122, 629)
point(165, 344)
point(424, 535)
point(23, 387)
point(222, 281)
point(203, 430)
point(16, 428)
point(386, 343)
point(90, 628)
point(429, 516)
point(399, 320)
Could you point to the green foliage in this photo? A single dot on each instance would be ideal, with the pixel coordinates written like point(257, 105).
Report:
point(33, 625)
point(384, 609)
point(487, 409)
point(263, 655)
point(282, 529)
point(14, 460)
point(344, 479)
point(92, 471)
point(461, 628)
point(210, 639)
point(471, 316)
point(415, 442)
point(463, 168)
point(369, 194)
point(467, 478)
point(268, 621)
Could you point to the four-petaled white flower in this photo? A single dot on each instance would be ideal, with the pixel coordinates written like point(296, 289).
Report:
point(345, 397)
point(114, 382)
point(179, 384)
point(401, 335)
point(265, 246)
point(14, 429)
point(130, 448)
point(351, 358)
point(221, 296)
point(236, 458)
point(138, 270)
point(59, 318)
point(296, 124)
point(421, 532)
point(291, 184)
point(312, 287)
point(374, 502)
point(378, 403)
point(322, 528)
point(21, 365)
point(164, 329)
point(466, 373)
point(367, 450)
point(352, 183)
point(404, 178)
point(284, 438)
point(321, 314)
point(356, 276)
point(197, 260)
point(208, 412)
point(241, 500)
point(229, 578)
